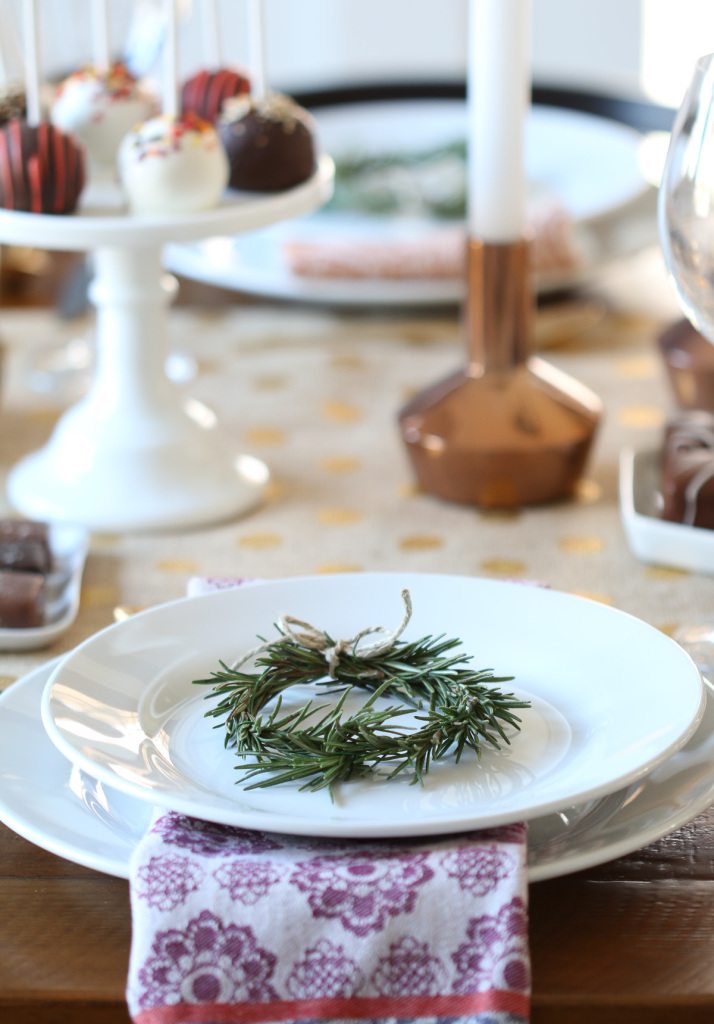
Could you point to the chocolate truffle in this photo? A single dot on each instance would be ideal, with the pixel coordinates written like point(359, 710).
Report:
point(99, 108)
point(172, 166)
point(270, 143)
point(12, 102)
point(688, 469)
point(22, 600)
point(41, 168)
point(205, 92)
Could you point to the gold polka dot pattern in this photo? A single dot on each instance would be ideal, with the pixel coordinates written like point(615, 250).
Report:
point(587, 492)
point(327, 568)
point(338, 516)
point(664, 572)
point(99, 595)
point(267, 436)
point(340, 412)
point(504, 566)
point(421, 542)
point(594, 595)
point(637, 367)
point(178, 565)
point(641, 417)
point(339, 464)
point(581, 545)
point(260, 541)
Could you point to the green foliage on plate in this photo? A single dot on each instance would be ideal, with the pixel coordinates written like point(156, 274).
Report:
point(457, 708)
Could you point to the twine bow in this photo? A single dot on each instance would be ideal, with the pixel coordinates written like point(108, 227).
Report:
point(304, 634)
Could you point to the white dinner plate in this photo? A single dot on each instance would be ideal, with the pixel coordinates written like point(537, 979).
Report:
point(611, 698)
point(57, 806)
point(69, 546)
point(590, 164)
point(652, 539)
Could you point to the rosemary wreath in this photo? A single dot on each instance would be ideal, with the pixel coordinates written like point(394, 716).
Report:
point(316, 745)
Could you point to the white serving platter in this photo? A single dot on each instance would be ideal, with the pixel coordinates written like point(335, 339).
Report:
point(612, 697)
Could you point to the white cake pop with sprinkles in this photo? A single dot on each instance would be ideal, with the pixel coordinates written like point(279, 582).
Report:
point(99, 108)
point(172, 164)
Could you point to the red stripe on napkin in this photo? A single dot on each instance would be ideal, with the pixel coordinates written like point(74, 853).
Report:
point(339, 1009)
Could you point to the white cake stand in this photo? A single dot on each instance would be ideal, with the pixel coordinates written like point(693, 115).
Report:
point(133, 454)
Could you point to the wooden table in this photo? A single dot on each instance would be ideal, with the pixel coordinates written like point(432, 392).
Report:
point(630, 941)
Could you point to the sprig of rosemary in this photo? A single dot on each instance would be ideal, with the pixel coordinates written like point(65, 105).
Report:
point(319, 745)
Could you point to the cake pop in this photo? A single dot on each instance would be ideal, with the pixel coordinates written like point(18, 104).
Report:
point(205, 92)
point(269, 143)
point(100, 107)
point(41, 169)
point(172, 165)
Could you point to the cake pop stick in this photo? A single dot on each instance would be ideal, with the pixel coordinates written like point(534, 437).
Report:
point(4, 76)
point(101, 49)
point(211, 34)
point(31, 45)
point(170, 61)
point(256, 35)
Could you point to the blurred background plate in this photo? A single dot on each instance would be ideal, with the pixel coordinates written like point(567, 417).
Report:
point(587, 164)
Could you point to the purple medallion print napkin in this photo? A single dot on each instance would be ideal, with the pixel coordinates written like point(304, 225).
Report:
point(232, 925)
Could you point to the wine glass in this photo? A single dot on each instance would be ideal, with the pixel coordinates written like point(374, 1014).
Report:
point(686, 232)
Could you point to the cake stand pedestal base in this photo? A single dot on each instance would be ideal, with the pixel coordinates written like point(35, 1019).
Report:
point(134, 454)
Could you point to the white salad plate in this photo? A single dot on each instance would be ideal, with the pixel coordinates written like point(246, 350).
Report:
point(611, 698)
point(60, 808)
point(652, 539)
point(589, 164)
point(69, 546)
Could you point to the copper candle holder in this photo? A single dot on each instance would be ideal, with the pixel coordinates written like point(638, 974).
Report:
point(507, 429)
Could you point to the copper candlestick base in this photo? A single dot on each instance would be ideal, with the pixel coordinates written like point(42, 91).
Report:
point(508, 429)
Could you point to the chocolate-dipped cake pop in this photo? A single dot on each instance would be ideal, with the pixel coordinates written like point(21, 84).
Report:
point(100, 107)
point(41, 169)
point(205, 92)
point(173, 165)
point(12, 102)
point(269, 142)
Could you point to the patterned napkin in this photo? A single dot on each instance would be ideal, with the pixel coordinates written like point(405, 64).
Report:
point(231, 925)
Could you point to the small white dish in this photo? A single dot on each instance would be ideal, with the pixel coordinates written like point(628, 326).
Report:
point(60, 808)
point(69, 546)
point(612, 697)
point(651, 538)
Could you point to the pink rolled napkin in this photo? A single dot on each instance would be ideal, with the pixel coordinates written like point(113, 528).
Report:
point(438, 255)
point(232, 925)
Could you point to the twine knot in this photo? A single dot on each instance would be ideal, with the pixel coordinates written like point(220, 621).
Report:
point(304, 634)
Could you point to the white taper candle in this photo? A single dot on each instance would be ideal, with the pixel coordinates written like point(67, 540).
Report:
point(211, 34)
point(31, 48)
point(256, 36)
point(170, 61)
point(101, 49)
point(498, 100)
